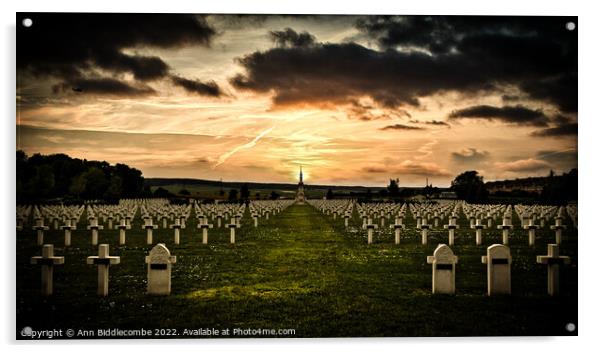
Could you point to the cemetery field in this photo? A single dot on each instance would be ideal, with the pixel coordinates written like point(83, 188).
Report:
point(299, 270)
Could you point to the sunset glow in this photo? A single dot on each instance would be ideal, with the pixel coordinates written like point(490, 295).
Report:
point(227, 118)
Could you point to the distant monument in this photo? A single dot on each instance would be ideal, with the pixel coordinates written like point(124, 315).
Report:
point(300, 192)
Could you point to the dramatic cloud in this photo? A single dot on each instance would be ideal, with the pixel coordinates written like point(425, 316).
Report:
point(420, 56)
point(195, 86)
point(402, 127)
point(102, 86)
point(509, 114)
point(564, 157)
point(558, 131)
point(524, 165)
point(408, 167)
point(538, 47)
point(81, 47)
point(430, 122)
point(368, 112)
point(470, 155)
point(290, 38)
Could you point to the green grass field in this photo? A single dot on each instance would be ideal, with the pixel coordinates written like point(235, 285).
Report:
point(300, 270)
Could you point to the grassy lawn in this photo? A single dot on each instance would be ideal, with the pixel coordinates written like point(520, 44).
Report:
point(299, 270)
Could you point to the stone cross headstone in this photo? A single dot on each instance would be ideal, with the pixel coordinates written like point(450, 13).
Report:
point(444, 270)
point(55, 222)
point(425, 231)
point(122, 227)
point(67, 228)
point(47, 261)
point(102, 262)
point(40, 228)
point(489, 219)
point(398, 226)
point(471, 218)
point(451, 228)
point(158, 264)
point(531, 227)
point(149, 226)
point(346, 217)
point(498, 262)
point(370, 227)
point(110, 218)
point(436, 219)
point(233, 225)
point(478, 227)
point(204, 227)
point(176, 231)
point(557, 228)
point(183, 221)
point(418, 221)
point(505, 227)
point(94, 227)
point(553, 260)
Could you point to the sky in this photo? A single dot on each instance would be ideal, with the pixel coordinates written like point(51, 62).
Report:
point(355, 100)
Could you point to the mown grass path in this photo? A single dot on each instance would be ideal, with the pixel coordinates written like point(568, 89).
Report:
point(300, 270)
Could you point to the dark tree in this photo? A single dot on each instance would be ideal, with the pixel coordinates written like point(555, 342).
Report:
point(257, 196)
point(329, 194)
point(244, 192)
point(42, 177)
point(393, 187)
point(233, 195)
point(560, 189)
point(274, 195)
point(163, 193)
point(469, 186)
point(184, 192)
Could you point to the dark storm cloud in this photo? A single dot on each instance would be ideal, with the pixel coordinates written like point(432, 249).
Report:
point(470, 155)
point(569, 129)
point(420, 56)
point(290, 38)
point(209, 88)
point(401, 127)
point(341, 73)
point(430, 122)
point(561, 90)
point(73, 47)
point(102, 86)
point(509, 114)
point(559, 157)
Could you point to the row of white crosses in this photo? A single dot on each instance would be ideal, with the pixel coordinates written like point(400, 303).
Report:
point(159, 263)
point(263, 208)
point(218, 213)
point(498, 261)
point(476, 213)
point(70, 215)
point(23, 212)
point(235, 213)
point(339, 209)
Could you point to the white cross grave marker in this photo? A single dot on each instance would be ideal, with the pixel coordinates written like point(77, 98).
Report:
point(47, 261)
point(102, 262)
point(553, 260)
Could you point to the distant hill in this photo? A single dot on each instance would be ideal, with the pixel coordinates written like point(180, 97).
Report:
point(212, 188)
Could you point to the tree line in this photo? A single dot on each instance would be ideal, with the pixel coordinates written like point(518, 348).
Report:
point(58, 176)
